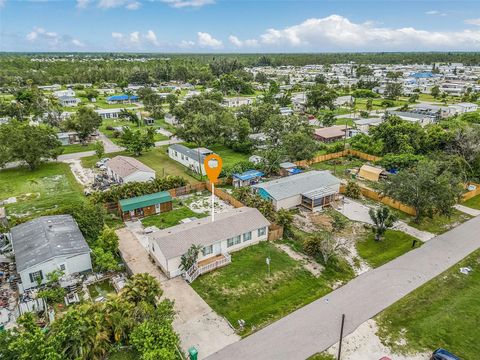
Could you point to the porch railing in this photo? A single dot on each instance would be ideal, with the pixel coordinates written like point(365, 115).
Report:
point(195, 270)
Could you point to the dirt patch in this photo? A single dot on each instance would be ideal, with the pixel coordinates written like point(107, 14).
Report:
point(307, 262)
point(364, 343)
point(84, 176)
point(202, 203)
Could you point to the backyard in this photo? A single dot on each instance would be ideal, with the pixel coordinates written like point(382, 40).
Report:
point(394, 244)
point(441, 313)
point(339, 166)
point(438, 224)
point(107, 124)
point(245, 289)
point(52, 185)
point(75, 148)
point(171, 218)
point(474, 202)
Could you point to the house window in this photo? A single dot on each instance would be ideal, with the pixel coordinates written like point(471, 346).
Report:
point(62, 267)
point(207, 250)
point(36, 275)
point(234, 241)
point(262, 231)
point(247, 236)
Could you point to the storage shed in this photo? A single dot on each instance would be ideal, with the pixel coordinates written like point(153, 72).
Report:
point(145, 205)
point(372, 173)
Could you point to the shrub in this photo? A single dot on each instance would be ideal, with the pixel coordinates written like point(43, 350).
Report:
point(352, 190)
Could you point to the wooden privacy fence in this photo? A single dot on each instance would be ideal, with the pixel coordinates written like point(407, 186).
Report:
point(275, 232)
point(336, 155)
point(184, 190)
point(470, 194)
point(224, 196)
point(374, 195)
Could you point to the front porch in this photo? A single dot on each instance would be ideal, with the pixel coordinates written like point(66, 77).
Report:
point(207, 265)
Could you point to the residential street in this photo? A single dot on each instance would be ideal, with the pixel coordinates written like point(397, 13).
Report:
point(316, 326)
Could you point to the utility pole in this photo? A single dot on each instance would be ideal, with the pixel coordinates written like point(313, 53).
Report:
point(341, 338)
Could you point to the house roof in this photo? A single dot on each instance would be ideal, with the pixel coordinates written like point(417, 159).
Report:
point(44, 238)
point(176, 240)
point(247, 175)
point(369, 172)
point(298, 184)
point(368, 121)
point(331, 132)
point(193, 154)
point(122, 97)
point(145, 200)
point(125, 166)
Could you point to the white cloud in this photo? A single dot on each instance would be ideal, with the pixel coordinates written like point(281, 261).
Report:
point(82, 4)
point(242, 43)
point(117, 35)
point(2, 3)
point(188, 3)
point(151, 37)
point(187, 44)
point(136, 40)
point(337, 33)
point(111, 4)
point(78, 43)
point(207, 40)
point(39, 33)
point(436, 12)
point(473, 22)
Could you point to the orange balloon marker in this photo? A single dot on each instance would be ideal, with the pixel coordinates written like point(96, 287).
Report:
point(213, 167)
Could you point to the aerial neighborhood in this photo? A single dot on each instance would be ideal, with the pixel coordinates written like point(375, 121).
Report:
point(343, 223)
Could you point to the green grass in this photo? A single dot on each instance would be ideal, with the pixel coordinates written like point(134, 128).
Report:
point(322, 356)
point(377, 253)
point(52, 185)
point(229, 156)
point(339, 166)
point(361, 104)
point(170, 218)
point(121, 123)
point(473, 202)
point(441, 313)
point(243, 289)
point(76, 148)
point(343, 121)
point(156, 158)
point(439, 223)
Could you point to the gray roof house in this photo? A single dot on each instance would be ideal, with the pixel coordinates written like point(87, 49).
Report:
point(229, 232)
point(46, 244)
point(313, 189)
point(190, 158)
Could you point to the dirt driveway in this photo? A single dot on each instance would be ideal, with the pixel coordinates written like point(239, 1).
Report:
point(195, 322)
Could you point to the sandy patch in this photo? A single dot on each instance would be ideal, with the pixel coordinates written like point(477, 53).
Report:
point(83, 175)
point(364, 343)
point(203, 204)
point(307, 262)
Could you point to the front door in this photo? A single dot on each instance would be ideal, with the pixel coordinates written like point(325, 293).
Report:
point(217, 248)
point(157, 208)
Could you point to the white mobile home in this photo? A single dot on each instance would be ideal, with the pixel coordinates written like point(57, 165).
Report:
point(190, 158)
point(231, 231)
point(46, 244)
point(125, 169)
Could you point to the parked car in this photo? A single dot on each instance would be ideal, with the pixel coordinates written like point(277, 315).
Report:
point(442, 354)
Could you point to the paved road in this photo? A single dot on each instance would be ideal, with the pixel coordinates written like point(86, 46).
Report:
point(316, 326)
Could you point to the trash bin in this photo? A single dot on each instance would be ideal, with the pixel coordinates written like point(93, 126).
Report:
point(193, 353)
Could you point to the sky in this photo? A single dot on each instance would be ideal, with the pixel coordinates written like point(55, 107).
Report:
point(243, 26)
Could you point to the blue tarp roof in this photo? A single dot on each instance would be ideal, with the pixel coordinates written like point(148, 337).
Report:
point(247, 175)
point(121, 97)
point(422, 75)
point(294, 171)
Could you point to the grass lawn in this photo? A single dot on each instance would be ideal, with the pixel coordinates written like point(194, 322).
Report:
point(343, 121)
point(339, 166)
point(156, 158)
point(121, 123)
point(229, 157)
point(473, 202)
point(439, 223)
point(243, 289)
point(170, 218)
point(76, 148)
point(322, 356)
point(442, 313)
point(52, 185)
point(377, 253)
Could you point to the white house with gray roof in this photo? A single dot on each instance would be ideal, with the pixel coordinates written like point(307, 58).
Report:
point(313, 190)
point(46, 244)
point(190, 158)
point(231, 231)
point(125, 169)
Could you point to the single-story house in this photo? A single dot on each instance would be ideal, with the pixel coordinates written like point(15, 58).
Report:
point(364, 125)
point(170, 119)
point(125, 169)
point(61, 93)
point(106, 91)
point(422, 119)
point(465, 107)
point(191, 158)
point(289, 168)
point(121, 99)
point(313, 189)
point(247, 178)
point(68, 101)
point(231, 231)
point(53, 87)
point(331, 133)
point(67, 138)
point(347, 100)
point(46, 244)
point(372, 173)
point(145, 205)
point(109, 113)
point(237, 101)
point(148, 121)
point(286, 111)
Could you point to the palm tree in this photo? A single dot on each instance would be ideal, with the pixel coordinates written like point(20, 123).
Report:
point(141, 287)
point(382, 220)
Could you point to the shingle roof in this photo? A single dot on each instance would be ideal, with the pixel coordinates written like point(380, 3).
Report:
point(125, 166)
point(145, 200)
point(175, 241)
point(332, 131)
point(298, 184)
point(44, 238)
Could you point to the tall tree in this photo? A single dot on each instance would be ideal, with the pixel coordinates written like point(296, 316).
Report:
point(85, 122)
point(382, 219)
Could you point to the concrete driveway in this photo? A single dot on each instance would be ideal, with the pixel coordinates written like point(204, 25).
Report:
point(195, 321)
point(316, 327)
point(359, 212)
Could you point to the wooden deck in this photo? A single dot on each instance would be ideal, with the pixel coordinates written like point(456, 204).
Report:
point(210, 260)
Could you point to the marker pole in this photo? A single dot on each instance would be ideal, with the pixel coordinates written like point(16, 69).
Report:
point(213, 201)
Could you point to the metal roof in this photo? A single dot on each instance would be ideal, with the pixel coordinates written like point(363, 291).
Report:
point(124, 166)
point(122, 97)
point(247, 175)
point(298, 184)
point(176, 240)
point(44, 238)
point(193, 154)
point(145, 200)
